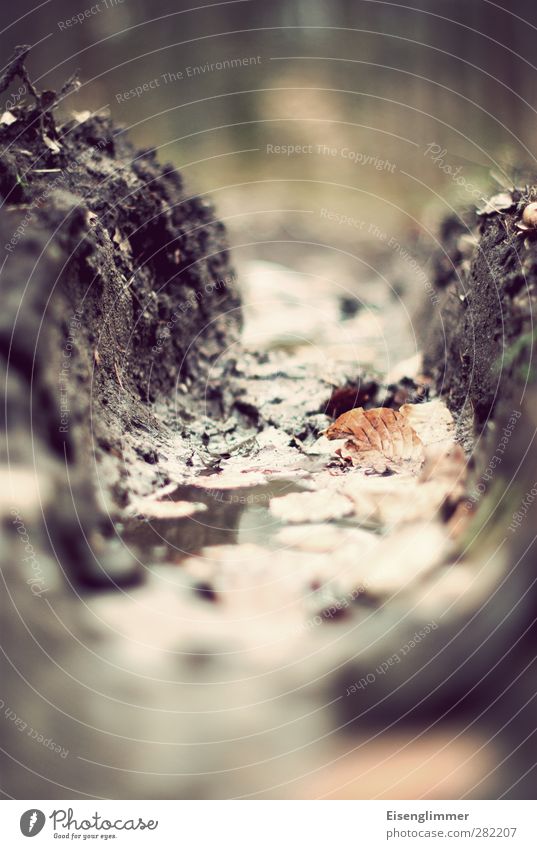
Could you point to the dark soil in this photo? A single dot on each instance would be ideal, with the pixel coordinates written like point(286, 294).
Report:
point(479, 347)
point(119, 299)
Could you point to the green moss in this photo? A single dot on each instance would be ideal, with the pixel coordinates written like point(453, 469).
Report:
point(519, 356)
point(493, 516)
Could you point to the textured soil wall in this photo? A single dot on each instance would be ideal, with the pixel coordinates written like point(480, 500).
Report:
point(118, 300)
point(479, 347)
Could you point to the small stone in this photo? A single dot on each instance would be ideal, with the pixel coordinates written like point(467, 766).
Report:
point(529, 216)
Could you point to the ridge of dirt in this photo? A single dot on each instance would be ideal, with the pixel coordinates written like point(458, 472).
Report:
point(119, 299)
point(479, 346)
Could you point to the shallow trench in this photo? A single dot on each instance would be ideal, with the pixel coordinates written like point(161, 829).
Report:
point(269, 568)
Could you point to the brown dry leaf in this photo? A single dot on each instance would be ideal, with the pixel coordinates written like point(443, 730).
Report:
point(380, 439)
point(411, 367)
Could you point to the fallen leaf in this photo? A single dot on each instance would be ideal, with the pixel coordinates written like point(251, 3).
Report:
point(402, 559)
point(320, 506)
point(323, 446)
point(432, 421)
point(80, 117)
point(350, 396)
point(380, 439)
point(502, 202)
point(461, 519)
point(122, 243)
point(7, 118)
point(390, 501)
point(446, 463)
point(326, 538)
point(151, 509)
point(52, 145)
point(411, 367)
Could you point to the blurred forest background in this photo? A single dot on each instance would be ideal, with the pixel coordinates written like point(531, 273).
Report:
point(417, 102)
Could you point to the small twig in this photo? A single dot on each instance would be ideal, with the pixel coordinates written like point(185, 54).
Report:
point(70, 85)
point(17, 68)
point(118, 376)
point(45, 101)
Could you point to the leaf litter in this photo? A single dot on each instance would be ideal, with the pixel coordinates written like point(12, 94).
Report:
point(368, 518)
point(380, 439)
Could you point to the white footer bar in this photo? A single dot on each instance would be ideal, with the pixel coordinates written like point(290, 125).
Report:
point(269, 824)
